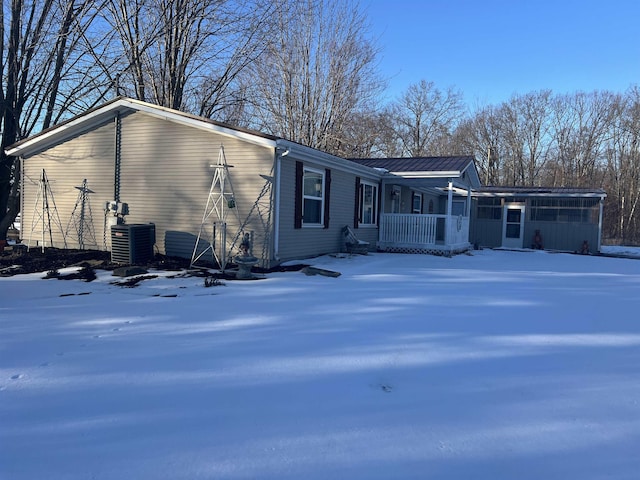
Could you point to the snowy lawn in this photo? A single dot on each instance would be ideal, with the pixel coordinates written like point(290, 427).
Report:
point(500, 365)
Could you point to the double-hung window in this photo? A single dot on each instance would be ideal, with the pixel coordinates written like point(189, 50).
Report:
point(416, 203)
point(368, 203)
point(313, 197)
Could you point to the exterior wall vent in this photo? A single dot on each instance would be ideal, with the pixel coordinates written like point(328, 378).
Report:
point(132, 244)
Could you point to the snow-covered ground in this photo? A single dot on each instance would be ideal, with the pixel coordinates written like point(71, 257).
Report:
point(497, 365)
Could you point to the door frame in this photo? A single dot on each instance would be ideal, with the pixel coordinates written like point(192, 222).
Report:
point(512, 242)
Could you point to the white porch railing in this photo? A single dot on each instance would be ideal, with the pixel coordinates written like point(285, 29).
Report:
point(406, 230)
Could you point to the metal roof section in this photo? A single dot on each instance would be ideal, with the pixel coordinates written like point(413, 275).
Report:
point(538, 192)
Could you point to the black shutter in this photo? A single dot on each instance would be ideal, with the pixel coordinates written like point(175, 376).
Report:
point(327, 196)
point(297, 211)
point(356, 203)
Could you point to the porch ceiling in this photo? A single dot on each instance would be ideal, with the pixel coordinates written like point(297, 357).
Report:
point(433, 186)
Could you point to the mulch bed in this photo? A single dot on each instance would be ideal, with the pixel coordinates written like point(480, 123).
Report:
point(53, 259)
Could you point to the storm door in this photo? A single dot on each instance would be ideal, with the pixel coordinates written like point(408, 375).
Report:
point(513, 225)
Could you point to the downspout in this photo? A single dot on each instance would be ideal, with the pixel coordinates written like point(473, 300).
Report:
point(117, 157)
point(276, 205)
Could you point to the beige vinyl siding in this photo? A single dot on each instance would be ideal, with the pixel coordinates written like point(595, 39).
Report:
point(307, 242)
point(89, 156)
point(166, 174)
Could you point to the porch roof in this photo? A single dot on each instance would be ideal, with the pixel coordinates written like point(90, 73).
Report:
point(455, 164)
point(425, 168)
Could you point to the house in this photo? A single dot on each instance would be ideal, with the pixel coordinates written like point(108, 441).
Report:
point(203, 185)
point(509, 217)
point(143, 164)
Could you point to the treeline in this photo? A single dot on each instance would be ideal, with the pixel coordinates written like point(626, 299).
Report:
point(305, 70)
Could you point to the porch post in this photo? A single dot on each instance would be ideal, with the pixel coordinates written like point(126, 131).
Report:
point(600, 224)
point(447, 223)
point(469, 202)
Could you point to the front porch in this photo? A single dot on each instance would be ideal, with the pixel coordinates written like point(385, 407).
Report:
point(419, 233)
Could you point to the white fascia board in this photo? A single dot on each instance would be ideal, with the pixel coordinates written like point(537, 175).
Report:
point(308, 154)
point(170, 115)
point(103, 114)
point(473, 173)
point(527, 195)
point(428, 174)
point(59, 133)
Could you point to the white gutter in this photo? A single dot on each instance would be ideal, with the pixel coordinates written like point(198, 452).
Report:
point(441, 174)
point(311, 155)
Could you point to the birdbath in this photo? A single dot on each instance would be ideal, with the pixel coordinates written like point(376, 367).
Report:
point(245, 260)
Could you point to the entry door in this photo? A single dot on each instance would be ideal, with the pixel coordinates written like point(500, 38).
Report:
point(513, 225)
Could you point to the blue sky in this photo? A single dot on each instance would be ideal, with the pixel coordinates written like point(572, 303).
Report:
point(493, 49)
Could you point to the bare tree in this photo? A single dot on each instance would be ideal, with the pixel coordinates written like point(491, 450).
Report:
point(186, 54)
point(581, 127)
point(317, 72)
point(526, 136)
point(623, 169)
point(424, 117)
point(481, 136)
point(42, 64)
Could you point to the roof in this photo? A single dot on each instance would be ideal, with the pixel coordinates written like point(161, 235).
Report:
point(418, 164)
point(422, 168)
point(106, 112)
point(120, 105)
point(539, 191)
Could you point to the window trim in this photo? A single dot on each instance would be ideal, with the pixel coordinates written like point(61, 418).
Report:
point(375, 203)
point(320, 199)
point(414, 196)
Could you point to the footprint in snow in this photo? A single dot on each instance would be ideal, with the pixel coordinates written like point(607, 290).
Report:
point(17, 376)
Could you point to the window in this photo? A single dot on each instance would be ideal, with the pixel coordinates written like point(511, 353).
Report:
point(489, 209)
point(416, 203)
point(569, 210)
point(368, 200)
point(313, 197)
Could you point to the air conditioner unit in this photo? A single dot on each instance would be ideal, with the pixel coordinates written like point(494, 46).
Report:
point(132, 244)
